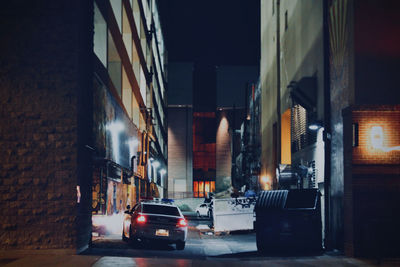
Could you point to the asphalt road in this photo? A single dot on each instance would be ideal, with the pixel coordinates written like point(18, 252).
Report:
point(201, 244)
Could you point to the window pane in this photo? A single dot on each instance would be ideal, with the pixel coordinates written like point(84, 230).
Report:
point(207, 187)
point(195, 189)
point(201, 189)
point(114, 65)
point(158, 209)
point(100, 36)
point(212, 189)
point(117, 9)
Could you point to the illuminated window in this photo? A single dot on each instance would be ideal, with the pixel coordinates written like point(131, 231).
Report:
point(195, 189)
point(285, 138)
point(207, 186)
point(201, 189)
point(212, 186)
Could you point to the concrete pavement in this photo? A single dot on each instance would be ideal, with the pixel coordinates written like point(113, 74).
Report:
point(102, 261)
point(206, 250)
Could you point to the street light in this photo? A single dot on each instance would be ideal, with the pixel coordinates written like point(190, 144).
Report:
point(155, 164)
point(162, 172)
point(315, 125)
point(115, 128)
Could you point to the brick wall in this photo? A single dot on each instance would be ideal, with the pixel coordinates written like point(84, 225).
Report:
point(42, 81)
point(368, 120)
point(371, 181)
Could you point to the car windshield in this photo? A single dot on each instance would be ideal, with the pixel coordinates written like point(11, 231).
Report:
point(159, 209)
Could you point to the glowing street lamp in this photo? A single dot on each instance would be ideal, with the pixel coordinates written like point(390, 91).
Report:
point(162, 172)
point(155, 164)
point(115, 128)
point(316, 125)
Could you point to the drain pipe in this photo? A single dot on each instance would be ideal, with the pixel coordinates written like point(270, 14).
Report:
point(327, 128)
point(278, 90)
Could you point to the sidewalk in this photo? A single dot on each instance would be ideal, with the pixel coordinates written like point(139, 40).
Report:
point(100, 261)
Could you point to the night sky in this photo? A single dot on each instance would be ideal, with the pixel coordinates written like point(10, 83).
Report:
point(211, 33)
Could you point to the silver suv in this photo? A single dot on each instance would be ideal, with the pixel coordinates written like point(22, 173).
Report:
point(155, 220)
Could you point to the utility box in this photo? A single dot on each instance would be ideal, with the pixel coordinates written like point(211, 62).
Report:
point(233, 214)
point(289, 221)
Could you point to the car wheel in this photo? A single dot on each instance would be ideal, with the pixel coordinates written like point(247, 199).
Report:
point(198, 214)
point(180, 245)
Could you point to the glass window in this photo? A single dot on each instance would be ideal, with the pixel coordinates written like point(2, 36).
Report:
point(126, 93)
point(114, 65)
point(207, 186)
point(201, 189)
point(117, 9)
point(100, 36)
point(195, 189)
point(159, 209)
point(127, 34)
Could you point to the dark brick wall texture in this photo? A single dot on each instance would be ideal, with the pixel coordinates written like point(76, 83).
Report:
point(372, 184)
point(41, 85)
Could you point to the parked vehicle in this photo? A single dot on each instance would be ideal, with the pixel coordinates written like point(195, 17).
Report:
point(155, 221)
point(204, 209)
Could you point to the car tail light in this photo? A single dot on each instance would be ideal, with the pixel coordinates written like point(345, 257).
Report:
point(182, 223)
point(141, 219)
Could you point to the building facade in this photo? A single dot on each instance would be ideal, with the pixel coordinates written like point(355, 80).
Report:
point(89, 95)
point(180, 129)
point(320, 77)
point(204, 133)
point(364, 100)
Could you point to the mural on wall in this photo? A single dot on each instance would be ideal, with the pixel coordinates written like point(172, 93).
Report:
point(116, 139)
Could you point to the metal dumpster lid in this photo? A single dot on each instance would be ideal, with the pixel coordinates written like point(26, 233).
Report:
point(287, 199)
point(271, 200)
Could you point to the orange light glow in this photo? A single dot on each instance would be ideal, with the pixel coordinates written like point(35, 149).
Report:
point(201, 189)
point(195, 189)
point(207, 187)
point(286, 157)
point(212, 186)
point(264, 179)
point(265, 182)
point(377, 138)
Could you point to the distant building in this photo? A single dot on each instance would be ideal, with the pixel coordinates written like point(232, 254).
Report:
point(203, 131)
point(248, 161)
point(180, 129)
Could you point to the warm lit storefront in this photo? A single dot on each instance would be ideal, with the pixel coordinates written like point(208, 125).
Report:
point(204, 153)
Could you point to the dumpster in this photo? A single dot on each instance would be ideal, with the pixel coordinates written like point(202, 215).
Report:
point(288, 221)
